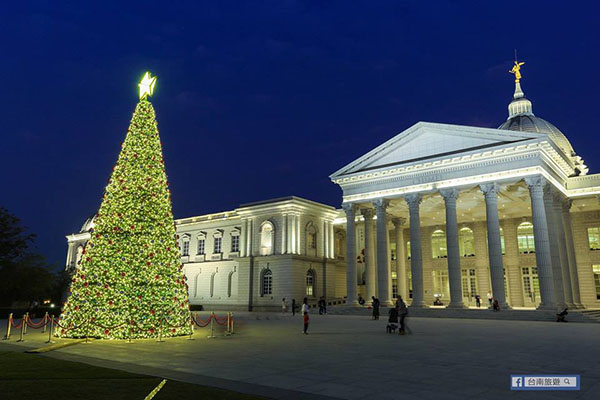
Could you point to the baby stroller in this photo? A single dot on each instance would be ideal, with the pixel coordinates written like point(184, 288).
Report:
point(392, 321)
point(560, 317)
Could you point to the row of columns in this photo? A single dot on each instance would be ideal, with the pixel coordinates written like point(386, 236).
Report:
point(555, 256)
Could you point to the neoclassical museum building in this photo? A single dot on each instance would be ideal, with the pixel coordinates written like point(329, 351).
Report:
point(438, 213)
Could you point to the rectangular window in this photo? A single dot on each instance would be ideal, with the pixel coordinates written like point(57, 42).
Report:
point(201, 246)
point(594, 238)
point(218, 242)
point(235, 244)
point(596, 271)
point(186, 247)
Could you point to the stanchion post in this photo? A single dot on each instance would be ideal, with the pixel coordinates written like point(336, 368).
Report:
point(231, 329)
point(227, 330)
point(191, 327)
point(45, 322)
point(212, 325)
point(10, 320)
point(23, 323)
point(51, 329)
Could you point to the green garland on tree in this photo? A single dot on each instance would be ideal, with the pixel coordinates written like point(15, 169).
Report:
point(130, 282)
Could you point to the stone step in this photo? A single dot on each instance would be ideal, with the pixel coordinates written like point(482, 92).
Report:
point(515, 315)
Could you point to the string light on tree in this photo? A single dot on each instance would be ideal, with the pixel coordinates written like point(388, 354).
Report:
point(130, 282)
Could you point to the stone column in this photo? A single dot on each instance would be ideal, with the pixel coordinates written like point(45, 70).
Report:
point(400, 258)
point(566, 217)
point(243, 238)
point(331, 240)
point(383, 261)
point(298, 230)
point(559, 293)
point(454, 276)
point(416, 253)
point(350, 210)
point(490, 191)
point(370, 275)
point(542, 244)
point(284, 234)
point(562, 247)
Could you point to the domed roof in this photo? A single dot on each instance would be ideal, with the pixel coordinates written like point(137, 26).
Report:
point(521, 118)
point(531, 123)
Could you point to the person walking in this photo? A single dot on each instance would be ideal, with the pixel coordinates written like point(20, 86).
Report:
point(293, 307)
point(402, 313)
point(283, 305)
point(304, 312)
point(478, 300)
point(490, 298)
point(375, 307)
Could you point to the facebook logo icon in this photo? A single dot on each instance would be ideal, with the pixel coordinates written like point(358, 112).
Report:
point(517, 382)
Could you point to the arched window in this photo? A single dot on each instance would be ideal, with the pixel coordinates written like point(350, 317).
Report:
point(466, 243)
point(525, 238)
point(266, 238)
point(230, 283)
point(266, 282)
point(310, 282)
point(197, 284)
point(311, 239)
point(439, 249)
point(212, 284)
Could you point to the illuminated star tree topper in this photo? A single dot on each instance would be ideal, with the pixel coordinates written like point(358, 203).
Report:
point(146, 85)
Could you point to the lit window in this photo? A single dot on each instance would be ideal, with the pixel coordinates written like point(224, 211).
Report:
point(439, 248)
point(596, 271)
point(594, 238)
point(218, 243)
point(525, 238)
point(502, 241)
point(201, 246)
point(235, 243)
point(310, 283)
point(466, 242)
point(267, 282)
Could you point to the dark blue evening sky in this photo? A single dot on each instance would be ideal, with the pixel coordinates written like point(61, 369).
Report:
point(265, 99)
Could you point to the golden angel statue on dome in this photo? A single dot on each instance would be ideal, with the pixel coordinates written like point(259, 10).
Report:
point(516, 70)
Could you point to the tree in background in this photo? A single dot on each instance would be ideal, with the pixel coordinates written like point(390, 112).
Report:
point(24, 275)
point(130, 282)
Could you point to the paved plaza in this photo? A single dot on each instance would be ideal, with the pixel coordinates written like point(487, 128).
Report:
point(351, 357)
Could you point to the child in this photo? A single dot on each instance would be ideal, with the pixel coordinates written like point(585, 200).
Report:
point(305, 319)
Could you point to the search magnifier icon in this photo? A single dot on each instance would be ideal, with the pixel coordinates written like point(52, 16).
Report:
point(567, 381)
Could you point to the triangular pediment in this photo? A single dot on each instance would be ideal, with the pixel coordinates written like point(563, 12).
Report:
point(429, 141)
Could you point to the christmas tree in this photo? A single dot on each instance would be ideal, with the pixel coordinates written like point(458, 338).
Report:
point(130, 282)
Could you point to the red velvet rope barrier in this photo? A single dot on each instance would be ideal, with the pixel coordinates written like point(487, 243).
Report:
point(202, 324)
point(43, 322)
point(17, 326)
point(222, 322)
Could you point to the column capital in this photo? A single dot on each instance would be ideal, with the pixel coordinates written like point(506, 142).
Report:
point(367, 213)
point(450, 193)
point(413, 199)
point(490, 189)
point(349, 208)
point(398, 221)
point(536, 182)
point(381, 204)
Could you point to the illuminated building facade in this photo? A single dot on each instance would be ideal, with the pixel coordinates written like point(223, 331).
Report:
point(438, 213)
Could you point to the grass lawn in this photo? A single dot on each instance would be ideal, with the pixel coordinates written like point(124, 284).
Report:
point(33, 376)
